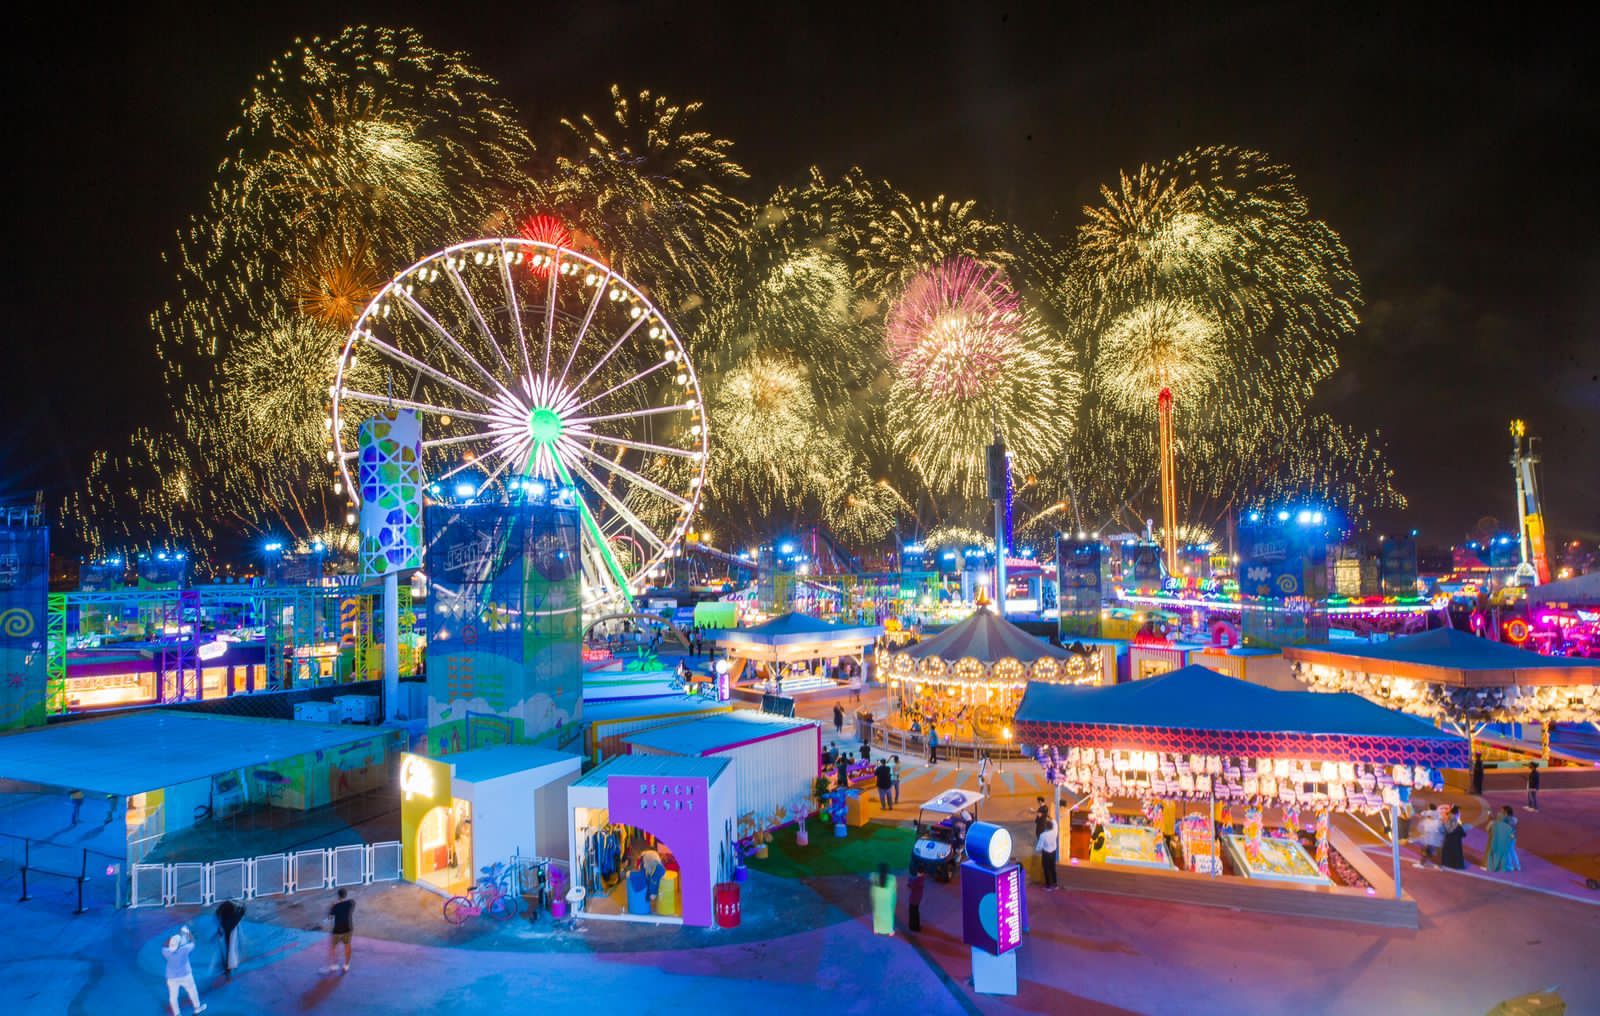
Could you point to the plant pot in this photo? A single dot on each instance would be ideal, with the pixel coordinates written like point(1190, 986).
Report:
point(802, 837)
point(761, 852)
point(740, 872)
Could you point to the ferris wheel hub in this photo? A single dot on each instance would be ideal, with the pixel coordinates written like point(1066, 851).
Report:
point(544, 425)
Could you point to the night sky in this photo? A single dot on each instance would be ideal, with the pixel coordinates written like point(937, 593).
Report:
point(1454, 155)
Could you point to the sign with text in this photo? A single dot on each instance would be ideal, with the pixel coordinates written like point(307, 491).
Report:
point(994, 908)
point(675, 810)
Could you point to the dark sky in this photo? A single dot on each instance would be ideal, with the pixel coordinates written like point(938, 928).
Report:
point(1454, 152)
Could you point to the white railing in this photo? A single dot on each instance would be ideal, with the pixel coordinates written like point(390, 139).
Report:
point(202, 884)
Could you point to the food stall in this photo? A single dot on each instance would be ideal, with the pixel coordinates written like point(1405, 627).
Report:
point(1265, 769)
point(788, 645)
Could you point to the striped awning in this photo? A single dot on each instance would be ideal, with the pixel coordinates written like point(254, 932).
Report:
point(988, 638)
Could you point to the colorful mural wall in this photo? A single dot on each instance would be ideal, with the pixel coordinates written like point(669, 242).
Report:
point(24, 593)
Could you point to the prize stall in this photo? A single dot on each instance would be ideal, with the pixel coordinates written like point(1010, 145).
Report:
point(473, 809)
point(1198, 778)
point(652, 840)
point(966, 681)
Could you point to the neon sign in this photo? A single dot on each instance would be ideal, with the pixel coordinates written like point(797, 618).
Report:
point(416, 778)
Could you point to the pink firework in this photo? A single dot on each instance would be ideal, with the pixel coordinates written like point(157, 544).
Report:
point(953, 330)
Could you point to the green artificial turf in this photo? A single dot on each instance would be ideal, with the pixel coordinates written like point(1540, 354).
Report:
point(855, 854)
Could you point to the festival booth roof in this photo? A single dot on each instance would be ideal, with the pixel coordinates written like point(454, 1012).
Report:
point(1447, 656)
point(1578, 590)
point(793, 635)
point(157, 748)
point(986, 637)
point(1194, 710)
point(719, 733)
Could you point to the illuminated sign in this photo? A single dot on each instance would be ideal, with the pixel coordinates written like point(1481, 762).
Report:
point(994, 909)
point(212, 650)
point(416, 778)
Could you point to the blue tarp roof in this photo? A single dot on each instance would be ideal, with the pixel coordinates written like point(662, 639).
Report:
point(1453, 650)
point(483, 764)
point(1195, 698)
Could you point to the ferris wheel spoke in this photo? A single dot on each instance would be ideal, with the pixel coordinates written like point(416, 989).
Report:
point(445, 442)
point(477, 315)
point(622, 511)
point(505, 447)
point(550, 312)
point(396, 353)
point(514, 311)
point(444, 334)
point(630, 475)
point(621, 385)
point(626, 334)
point(583, 329)
point(638, 446)
point(421, 407)
point(658, 410)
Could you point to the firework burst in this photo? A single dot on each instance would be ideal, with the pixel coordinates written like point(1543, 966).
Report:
point(1158, 345)
point(968, 361)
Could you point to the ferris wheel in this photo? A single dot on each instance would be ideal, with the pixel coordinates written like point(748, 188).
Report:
point(535, 366)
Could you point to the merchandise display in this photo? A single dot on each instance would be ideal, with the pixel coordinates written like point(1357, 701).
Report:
point(1136, 846)
point(1273, 859)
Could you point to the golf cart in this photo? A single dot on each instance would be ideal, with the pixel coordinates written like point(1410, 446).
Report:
point(942, 831)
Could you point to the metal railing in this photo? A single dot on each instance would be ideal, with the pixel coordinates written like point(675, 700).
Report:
point(903, 742)
point(204, 883)
point(96, 877)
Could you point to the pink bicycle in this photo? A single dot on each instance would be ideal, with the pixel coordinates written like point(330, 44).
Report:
point(489, 896)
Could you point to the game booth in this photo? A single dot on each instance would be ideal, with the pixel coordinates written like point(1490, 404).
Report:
point(785, 648)
point(652, 840)
point(465, 812)
point(1197, 787)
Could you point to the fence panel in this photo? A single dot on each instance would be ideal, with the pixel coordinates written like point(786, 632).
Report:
point(230, 880)
point(385, 861)
point(149, 885)
point(188, 887)
point(349, 864)
point(270, 876)
point(309, 870)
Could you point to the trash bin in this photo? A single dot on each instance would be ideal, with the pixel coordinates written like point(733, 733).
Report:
point(575, 897)
point(667, 895)
point(725, 898)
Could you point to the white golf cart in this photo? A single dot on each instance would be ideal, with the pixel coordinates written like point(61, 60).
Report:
point(942, 825)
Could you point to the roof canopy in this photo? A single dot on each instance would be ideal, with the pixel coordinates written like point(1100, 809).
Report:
point(986, 637)
point(156, 748)
point(718, 733)
point(1194, 710)
point(1448, 656)
point(794, 636)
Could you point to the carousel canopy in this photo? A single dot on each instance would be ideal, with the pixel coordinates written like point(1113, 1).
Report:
point(986, 637)
point(1194, 710)
point(795, 629)
point(1448, 656)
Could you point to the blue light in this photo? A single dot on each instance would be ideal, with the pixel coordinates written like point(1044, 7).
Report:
point(535, 487)
point(466, 490)
point(787, 548)
point(1316, 517)
point(1283, 516)
point(162, 556)
point(1255, 516)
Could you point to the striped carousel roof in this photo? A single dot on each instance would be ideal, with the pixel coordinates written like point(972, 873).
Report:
point(988, 638)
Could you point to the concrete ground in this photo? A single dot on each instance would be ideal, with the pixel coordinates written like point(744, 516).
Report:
point(806, 945)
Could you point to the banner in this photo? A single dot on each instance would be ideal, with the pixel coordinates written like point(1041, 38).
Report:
point(504, 624)
point(24, 596)
point(1148, 574)
point(389, 470)
point(1398, 566)
point(1081, 573)
point(1283, 579)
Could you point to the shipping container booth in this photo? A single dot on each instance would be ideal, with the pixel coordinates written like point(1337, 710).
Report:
point(777, 759)
point(651, 838)
point(467, 811)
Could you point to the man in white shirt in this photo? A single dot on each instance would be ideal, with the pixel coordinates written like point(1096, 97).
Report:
point(1046, 846)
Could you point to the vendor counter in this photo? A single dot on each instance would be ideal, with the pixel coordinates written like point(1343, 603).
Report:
point(1133, 846)
point(1274, 859)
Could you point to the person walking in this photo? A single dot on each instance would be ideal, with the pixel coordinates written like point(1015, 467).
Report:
point(933, 744)
point(1046, 846)
point(894, 767)
point(1477, 774)
point(983, 774)
point(838, 719)
point(1429, 833)
point(915, 885)
point(1451, 855)
point(1502, 854)
point(1533, 786)
point(883, 893)
point(885, 779)
point(180, 975)
point(229, 915)
point(76, 797)
point(343, 913)
point(1041, 817)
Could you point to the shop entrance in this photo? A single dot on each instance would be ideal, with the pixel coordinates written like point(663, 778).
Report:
point(444, 848)
point(626, 871)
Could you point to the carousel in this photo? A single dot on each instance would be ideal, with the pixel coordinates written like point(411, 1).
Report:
point(965, 683)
